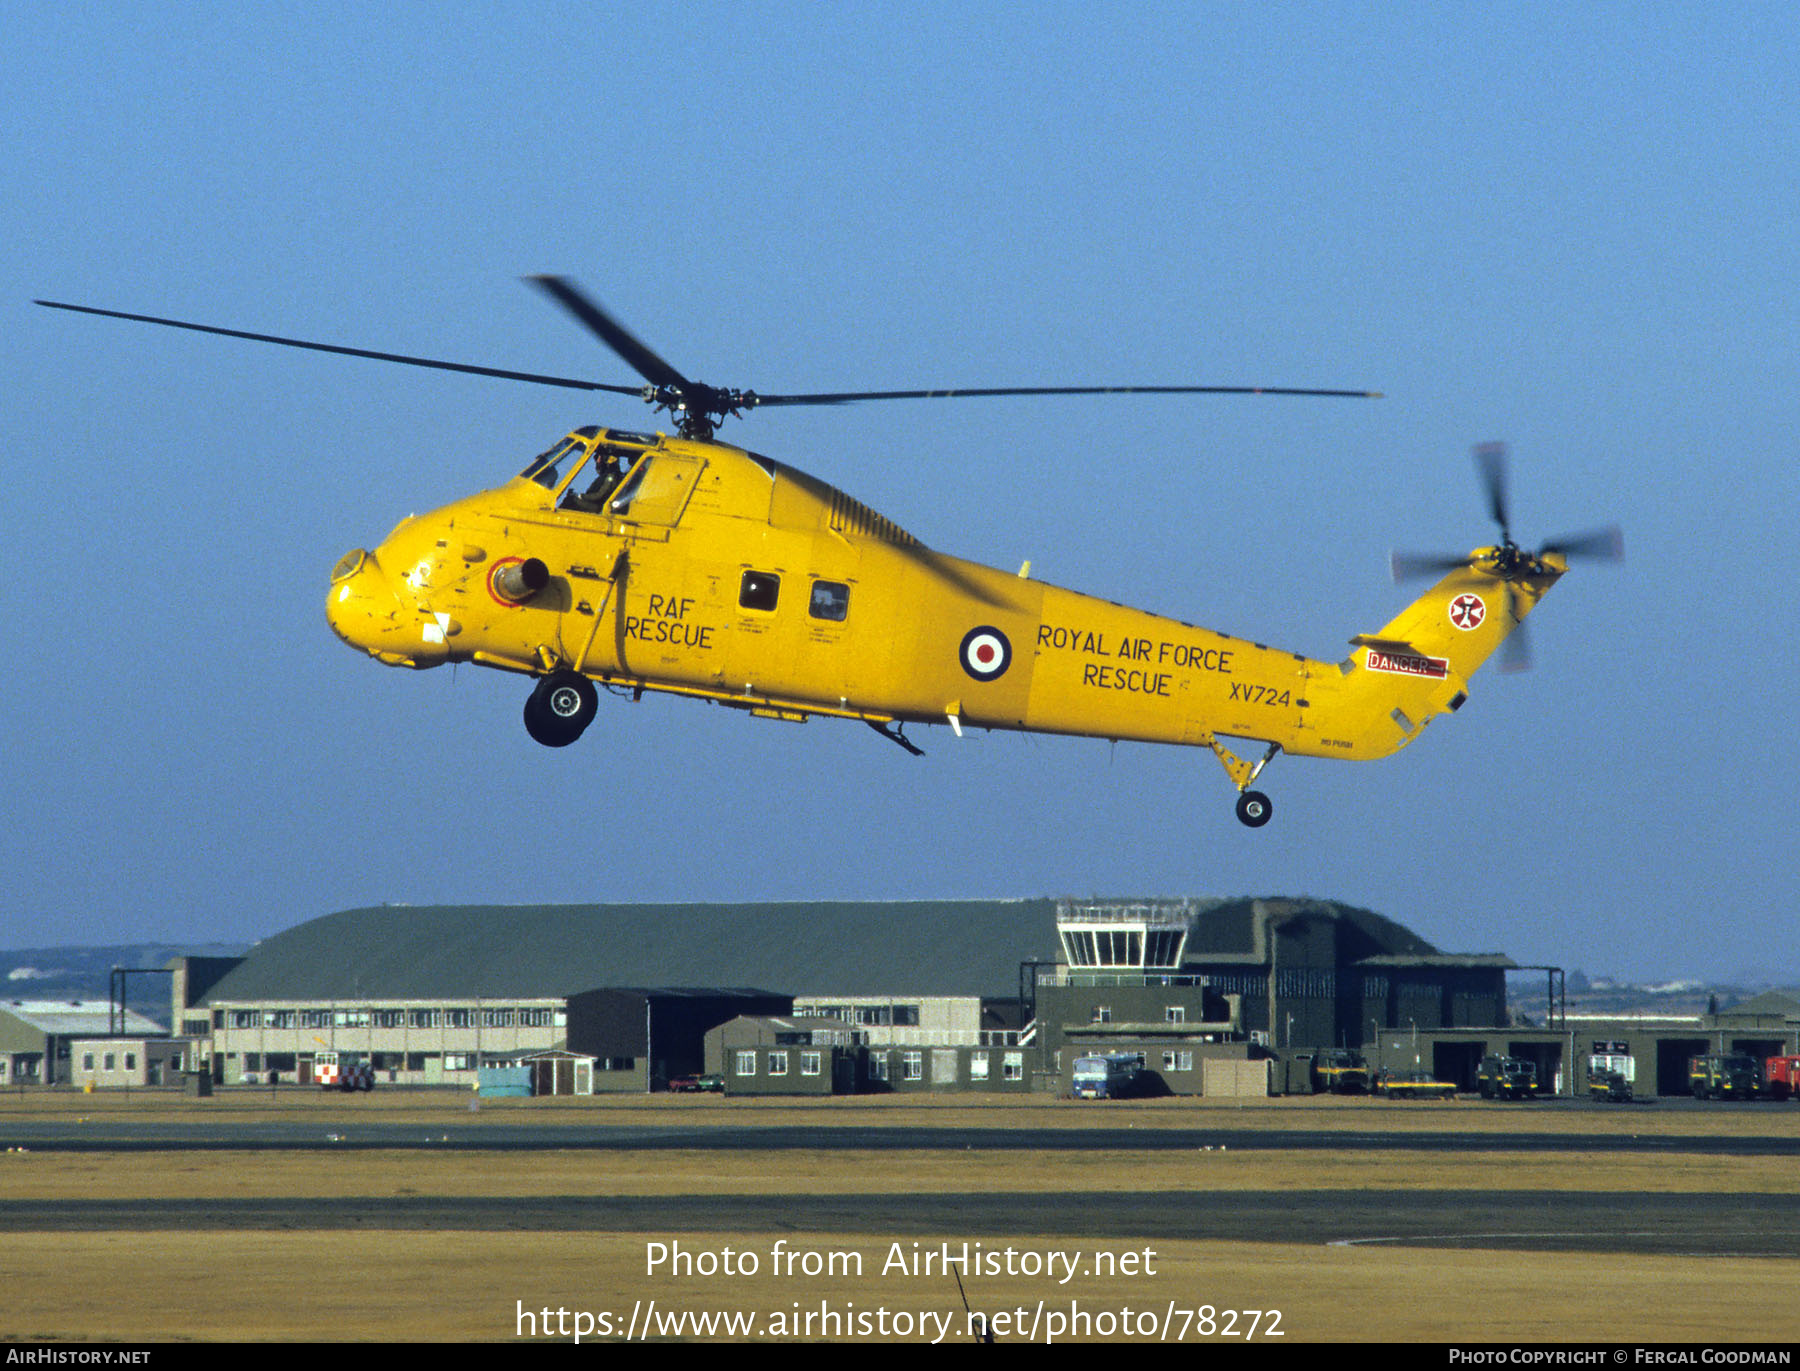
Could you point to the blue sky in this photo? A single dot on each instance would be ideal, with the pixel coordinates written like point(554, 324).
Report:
point(1571, 230)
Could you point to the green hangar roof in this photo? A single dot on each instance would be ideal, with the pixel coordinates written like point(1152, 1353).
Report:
point(1237, 930)
point(926, 947)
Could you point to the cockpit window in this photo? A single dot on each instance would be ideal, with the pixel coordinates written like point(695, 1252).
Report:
point(549, 468)
point(627, 492)
point(610, 466)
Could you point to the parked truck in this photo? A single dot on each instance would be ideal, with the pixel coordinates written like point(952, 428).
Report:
point(1781, 1077)
point(1724, 1076)
point(340, 1071)
point(1610, 1086)
point(1340, 1071)
point(1507, 1078)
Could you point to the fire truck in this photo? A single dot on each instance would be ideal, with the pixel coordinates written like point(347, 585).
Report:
point(1781, 1077)
point(1724, 1076)
point(340, 1071)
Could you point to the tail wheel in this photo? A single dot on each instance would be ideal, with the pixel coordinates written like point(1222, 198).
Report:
point(559, 710)
point(1254, 809)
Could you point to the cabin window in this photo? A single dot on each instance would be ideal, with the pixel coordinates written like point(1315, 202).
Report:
point(830, 600)
point(760, 590)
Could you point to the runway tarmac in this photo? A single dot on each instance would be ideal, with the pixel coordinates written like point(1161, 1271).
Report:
point(1738, 1224)
point(1746, 1225)
point(346, 1133)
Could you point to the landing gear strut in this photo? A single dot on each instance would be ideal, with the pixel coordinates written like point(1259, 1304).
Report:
point(559, 710)
point(1254, 808)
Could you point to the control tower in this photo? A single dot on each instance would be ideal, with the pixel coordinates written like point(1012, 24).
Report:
point(1144, 936)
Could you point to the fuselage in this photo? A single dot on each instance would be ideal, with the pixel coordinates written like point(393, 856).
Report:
point(699, 568)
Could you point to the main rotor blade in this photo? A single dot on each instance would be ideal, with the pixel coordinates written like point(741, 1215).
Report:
point(468, 367)
point(611, 332)
point(1490, 458)
point(1600, 544)
point(850, 396)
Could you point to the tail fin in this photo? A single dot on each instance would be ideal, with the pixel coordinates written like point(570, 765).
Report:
point(1419, 665)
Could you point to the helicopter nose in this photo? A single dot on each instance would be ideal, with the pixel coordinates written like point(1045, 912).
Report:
point(364, 610)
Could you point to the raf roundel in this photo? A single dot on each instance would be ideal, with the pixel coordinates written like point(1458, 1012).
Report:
point(986, 653)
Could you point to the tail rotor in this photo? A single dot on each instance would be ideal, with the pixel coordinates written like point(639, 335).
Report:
point(1507, 560)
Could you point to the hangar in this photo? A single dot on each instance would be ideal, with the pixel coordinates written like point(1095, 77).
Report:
point(926, 990)
point(1209, 996)
point(431, 994)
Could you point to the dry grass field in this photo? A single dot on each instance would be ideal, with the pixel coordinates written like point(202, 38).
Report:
point(354, 1283)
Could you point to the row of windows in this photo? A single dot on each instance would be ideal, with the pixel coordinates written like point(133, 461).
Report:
point(872, 1015)
point(1130, 947)
point(499, 1017)
point(1173, 1060)
point(810, 1063)
point(110, 1060)
point(761, 590)
point(383, 1061)
point(911, 1065)
point(1174, 1013)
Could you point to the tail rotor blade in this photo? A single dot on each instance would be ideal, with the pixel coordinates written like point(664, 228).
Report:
point(1490, 459)
point(1600, 545)
point(1515, 652)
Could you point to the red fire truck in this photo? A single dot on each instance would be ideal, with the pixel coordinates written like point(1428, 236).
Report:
point(1781, 1077)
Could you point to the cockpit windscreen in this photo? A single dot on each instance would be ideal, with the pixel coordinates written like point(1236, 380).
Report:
point(550, 468)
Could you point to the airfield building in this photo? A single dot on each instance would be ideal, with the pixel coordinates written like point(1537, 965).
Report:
point(44, 1042)
point(1208, 997)
point(937, 995)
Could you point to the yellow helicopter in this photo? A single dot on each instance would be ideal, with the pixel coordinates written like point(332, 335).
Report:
point(678, 563)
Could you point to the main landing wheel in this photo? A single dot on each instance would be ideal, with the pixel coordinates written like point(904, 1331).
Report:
point(1254, 809)
point(559, 710)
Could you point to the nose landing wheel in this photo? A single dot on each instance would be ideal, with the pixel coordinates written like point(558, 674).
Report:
point(1254, 809)
point(561, 707)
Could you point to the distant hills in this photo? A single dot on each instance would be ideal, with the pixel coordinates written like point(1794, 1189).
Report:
point(84, 973)
point(1600, 996)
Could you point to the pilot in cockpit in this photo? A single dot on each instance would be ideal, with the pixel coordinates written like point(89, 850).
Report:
point(609, 470)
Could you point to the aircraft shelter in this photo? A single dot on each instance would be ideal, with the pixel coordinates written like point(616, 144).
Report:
point(1210, 996)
